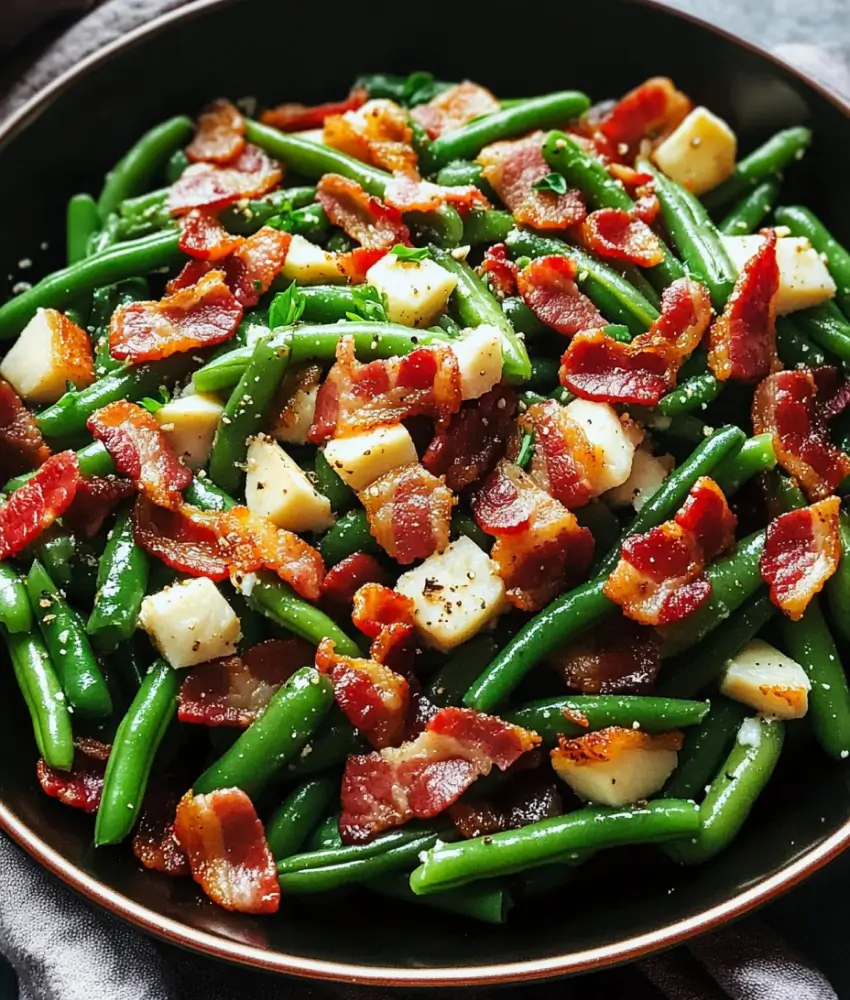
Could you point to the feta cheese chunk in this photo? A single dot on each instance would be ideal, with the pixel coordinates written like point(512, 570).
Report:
point(648, 473)
point(804, 279)
point(190, 622)
point(38, 366)
point(417, 291)
point(479, 358)
point(611, 437)
point(359, 460)
point(455, 594)
point(276, 487)
point(700, 153)
point(310, 265)
point(189, 424)
point(760, 676)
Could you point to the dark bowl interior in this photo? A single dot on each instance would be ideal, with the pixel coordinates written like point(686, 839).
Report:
point(624, 905)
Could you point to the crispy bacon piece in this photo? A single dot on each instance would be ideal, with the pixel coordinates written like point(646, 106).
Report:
point(220, 136)
point(660, 577)
point(833, 391)
point(563, 461)
point(357, 262)
point(21, 445)
point(236, 690)
point(154, 842)
point(742, 341)
point(251, 174)
point(622, 658)
point(527, 799)
point(138, 447)
point(197, 316)
point(81, 787)
point(501, 270)
point(540, 547)
point(454, 108)
point(801, 552)
point(255, 263)
point(650, 111)
point(377, 133)
point(33, 507)
point(202, 236)
point(423, 777)
point(408, 194)
point(618, 235)
point(609, 743)
point(368, 220)
point(785, 405)
point(96, 498)
point(547, 286)
point(513, 167)
point(387, 618)
point(227, 850)
point(345, 579)
point(409, 512)
point(357, 397)
point(300, 117)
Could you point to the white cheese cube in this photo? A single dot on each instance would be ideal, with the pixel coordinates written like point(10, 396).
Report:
point(804, 279)
point(299, 417)
point(189, 424)
point(190, 623)
point(700, 153)
point(610, 437)
point(312, 135)
point(479, 358)
point(36, 366)
point(455, 594)
point(648, 473)
point(276, 487)
point(359, 460)
point(760, 676)
point(310, 265)
point(417, 291)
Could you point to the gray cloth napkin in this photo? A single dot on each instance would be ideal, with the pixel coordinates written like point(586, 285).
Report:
point(62, 948)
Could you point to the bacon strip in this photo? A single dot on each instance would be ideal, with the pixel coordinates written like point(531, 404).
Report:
point(300, 117)
point(96, 498)
point(251, 174)
point(650, 111)
point(527, 799)
point(454, 108)
point(377, 133)
point(421, 778)
point(365, 219)
point(622, 658)
point(547, 286)
point(227, 850)
point(387, 618)
point(33, 507)
point(82, 786)
point(345, 579)
point(563, 462)
point(21, 445)
point(500, 270)
point(617, 235)
point(408, 194)
point(801, 552)
point(154, 842)
point(220, 136)
point(202, 236)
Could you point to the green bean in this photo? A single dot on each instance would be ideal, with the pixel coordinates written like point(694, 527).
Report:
point(693, 394)
point(446, 866)
point(104, 303)
point(488, 902)
point(460, 173)
point(133, 750)
point(82, 221)
point(122, 578)
point(601, 522)
point(71, 563)
point(325, 835)
point(106, 237)
point(337, 741)
point(463, 525)
point(349, 534)
point(450, 682)
point(68, 645)
point(203, 493)
point(549, 111)
point(177, 163)
point(522, 318)
point(486, 225)
point(45, 701)
point(733, 793)
point(795, 347)
point(753, 208)
point(328, 483)
point(417, 88)
point(142, 161)
point(15, 610)
point(769, 159)
point(263, 750)
point(826, 326)
point(837, 586)
point(330, 856)
point(291, 823)
point(703, 749)
point(144, 214)
point(442, 226)
point(803, 222)
point(544, 371)
point(756, 456)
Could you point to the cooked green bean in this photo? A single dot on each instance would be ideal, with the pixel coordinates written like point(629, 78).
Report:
point(15, 610)
point(488, 902)
point(451, 681)
point(703, 749)
point(122, 578)
point(826, 326)
point(291, 823)
point(82, 222)
point(754, 207)
point(770, 158)
point(337, 741)
point(795, 347)
point(328, 483)
point(837, 586)
point(486, 225)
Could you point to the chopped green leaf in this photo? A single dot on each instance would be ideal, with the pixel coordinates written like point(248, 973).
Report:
point(369, 305)
point(526, 449)
point(287, 307)
point(556, 183)
point(411, 254)
point(152, 405)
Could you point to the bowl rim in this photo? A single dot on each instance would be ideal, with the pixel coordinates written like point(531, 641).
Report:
point(215, 946)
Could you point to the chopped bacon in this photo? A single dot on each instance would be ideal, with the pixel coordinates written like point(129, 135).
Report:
point(474, 440)
point(357, 397)
point(785, 405)
point(650, 111)
point(801, 552)
point(33, 507)
point(220, 136)
point(525, 800)
point(610, 743)
point(833, 391)
point(227, 850)
point(365, 219)
point(617, 235)
point(563, 461)
point(409, 512)
point(622, 658)
point(197, 316)
point(236, 690)
point(512, 168)
point(540, 547)
point(660, 577)
point(377, 133)
point(140, 451)
point(355, 263)
point(343, 581)
point(501, 270)
point(454, 108)
point(154, 842)
point(547, 286)
point(300, 117)
point(204, 185)
point(410, 195)
point(81, 787)
point(255, 263)
point(387, 618)
point(21, 445)
point(421, 778)
point(742, 342)
point(204, 237)
point(96, 498)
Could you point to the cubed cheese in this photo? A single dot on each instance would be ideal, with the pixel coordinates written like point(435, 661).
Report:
point(479, 358)
point(276, 487)
point(189, 424)
point(613, 439)
point(700, 153)
point(36, 366)
point(617, 766)
point(767, 680)
point(292, 428)
point(359, 460)
point(417, 291)
point(648, 473)
point(455, 594)
point(190, 623)
point(310, 265)
point(312, 135)
point(804, 279)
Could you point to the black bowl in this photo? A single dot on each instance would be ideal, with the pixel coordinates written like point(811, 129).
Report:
point(624, 906)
